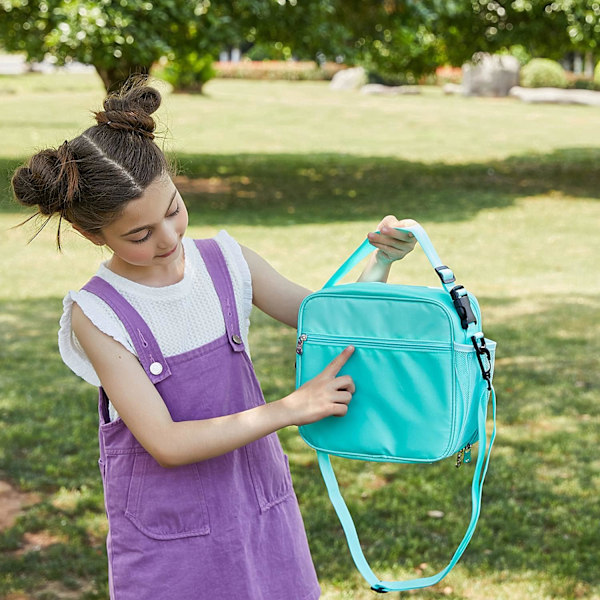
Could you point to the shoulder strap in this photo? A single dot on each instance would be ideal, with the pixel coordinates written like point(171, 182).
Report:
point(345, 518)
point(144, 342)
point(217, 269)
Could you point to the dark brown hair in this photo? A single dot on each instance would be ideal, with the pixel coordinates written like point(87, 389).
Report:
point(88, 180)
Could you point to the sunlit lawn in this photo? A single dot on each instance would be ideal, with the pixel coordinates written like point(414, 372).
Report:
point(509, 195)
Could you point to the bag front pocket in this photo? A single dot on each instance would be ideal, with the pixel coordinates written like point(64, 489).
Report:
point(166, 504)
point(403, 408)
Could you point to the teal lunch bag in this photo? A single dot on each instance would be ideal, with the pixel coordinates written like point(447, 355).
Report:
point(423, 375)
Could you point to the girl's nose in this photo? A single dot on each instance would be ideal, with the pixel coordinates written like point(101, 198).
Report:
point(168, 237)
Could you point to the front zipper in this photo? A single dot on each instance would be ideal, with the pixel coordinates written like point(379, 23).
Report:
point(366, 342)
point(301, 341)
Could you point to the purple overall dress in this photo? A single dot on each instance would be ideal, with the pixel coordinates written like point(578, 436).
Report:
point(225, 528)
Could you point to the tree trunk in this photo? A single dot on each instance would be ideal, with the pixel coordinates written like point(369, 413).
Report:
point(115, 76)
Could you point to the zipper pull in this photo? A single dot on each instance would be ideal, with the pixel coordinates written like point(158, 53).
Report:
point(459, 458)
point(468, 454)
point(301, 341)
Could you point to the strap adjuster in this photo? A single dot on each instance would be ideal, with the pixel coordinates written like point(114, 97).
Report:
point(460, 298)
point(445, 274)
point(379, 588)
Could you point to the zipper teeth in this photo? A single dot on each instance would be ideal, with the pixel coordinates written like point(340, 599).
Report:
point(320, 339)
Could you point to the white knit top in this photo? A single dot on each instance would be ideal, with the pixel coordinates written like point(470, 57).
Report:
point(182, 316)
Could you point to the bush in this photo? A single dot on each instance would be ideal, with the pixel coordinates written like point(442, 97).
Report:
point(543, 72)
point(289, 70)
point(189, 73)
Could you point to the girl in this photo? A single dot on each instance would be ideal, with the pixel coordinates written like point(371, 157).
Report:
point(198, 493)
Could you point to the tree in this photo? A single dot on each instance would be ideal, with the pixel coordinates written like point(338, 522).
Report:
point(390, 37)
point(544, 28)
point(119, 38)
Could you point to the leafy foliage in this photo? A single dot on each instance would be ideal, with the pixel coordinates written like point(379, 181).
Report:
point(389, 37)
point(539, 27)
point(543, 72)
point(119, 37)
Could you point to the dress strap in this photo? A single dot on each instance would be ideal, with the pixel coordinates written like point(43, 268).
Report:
point(217, 269)
point(144, 342)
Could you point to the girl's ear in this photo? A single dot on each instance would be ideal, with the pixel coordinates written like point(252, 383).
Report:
point(95, 238)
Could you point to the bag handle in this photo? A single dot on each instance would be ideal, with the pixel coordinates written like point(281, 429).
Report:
point(483, 459)
point(445, 274)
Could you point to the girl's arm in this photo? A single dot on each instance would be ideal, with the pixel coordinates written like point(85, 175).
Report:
point(281, 298)
point(174, 443)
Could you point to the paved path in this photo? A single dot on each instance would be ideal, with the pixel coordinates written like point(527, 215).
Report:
point(14, 64)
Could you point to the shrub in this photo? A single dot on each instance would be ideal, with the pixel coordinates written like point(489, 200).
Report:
point(189, 73)
point(597, 75)
point(543, 72)
point(290, 70)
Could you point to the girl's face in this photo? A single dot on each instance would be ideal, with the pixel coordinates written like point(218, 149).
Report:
point(148, 232)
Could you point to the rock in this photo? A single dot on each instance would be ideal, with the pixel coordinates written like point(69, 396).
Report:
point(490, 75)
point(348, 79)
point(453, 88)
point(556, 96)
point(389, 90)
point(435, 514)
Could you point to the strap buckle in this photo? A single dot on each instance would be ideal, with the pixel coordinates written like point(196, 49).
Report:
point(445, 274)
point(379, 588)
point(460, 298)
point(482, 350)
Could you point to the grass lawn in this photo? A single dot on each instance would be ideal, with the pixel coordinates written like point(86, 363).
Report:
point(508, 193)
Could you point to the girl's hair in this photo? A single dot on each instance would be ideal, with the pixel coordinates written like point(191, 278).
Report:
point(88, 180)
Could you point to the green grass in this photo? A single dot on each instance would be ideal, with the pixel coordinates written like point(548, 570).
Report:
point(509, 195)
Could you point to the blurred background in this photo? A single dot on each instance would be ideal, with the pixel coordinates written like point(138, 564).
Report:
point(297, 126)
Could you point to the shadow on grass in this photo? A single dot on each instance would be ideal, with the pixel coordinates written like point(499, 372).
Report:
point(540, 508)
point(265, 189)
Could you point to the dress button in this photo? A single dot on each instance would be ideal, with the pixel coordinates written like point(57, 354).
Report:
point(236, 339)
point(156, 368)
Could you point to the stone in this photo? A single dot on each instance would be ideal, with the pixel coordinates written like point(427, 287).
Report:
point(453, 88)
point(490, 75)
point(389, 90)
point(556, 96)
point(348, 79)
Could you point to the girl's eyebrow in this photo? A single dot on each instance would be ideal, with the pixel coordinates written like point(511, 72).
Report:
point(137, 229)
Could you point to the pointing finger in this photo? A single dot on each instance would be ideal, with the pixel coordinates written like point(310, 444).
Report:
point(339, 361)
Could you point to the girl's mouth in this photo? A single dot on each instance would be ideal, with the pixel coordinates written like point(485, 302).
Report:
point(169, 252)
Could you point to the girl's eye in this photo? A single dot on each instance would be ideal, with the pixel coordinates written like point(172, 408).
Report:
point(175, 212)
point(143, 239)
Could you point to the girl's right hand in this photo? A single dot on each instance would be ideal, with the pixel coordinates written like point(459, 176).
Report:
point(324, 395)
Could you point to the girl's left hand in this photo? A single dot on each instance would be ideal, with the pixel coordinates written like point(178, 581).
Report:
point(392, 244)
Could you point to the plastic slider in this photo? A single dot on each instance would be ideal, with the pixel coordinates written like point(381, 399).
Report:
point(460, 298)
point(379, 589)
point(445, 274)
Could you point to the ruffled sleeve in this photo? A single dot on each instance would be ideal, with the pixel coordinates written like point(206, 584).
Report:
point(102, 316)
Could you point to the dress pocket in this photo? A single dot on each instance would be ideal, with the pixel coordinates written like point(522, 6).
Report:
point(270, 471)
point(166, 504)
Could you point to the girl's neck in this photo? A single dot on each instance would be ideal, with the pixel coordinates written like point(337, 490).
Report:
point(154, 276)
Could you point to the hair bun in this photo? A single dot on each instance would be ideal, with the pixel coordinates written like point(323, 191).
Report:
point(131, 107)
point(50, 181)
